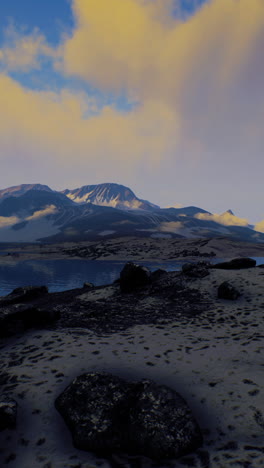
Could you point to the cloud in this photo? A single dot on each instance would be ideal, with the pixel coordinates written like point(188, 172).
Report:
point(175, 205)
point(226, 219)
point(24, 52)
point(125, 44)
point(8, 221)
point(40, 213)
point(259, 226)
point(197, 84)
point(171, 226)
point(53, 128)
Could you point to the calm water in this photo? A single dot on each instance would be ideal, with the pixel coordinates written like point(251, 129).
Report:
point(60, 275)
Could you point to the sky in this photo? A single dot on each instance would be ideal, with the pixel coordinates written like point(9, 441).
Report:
point(163, 96)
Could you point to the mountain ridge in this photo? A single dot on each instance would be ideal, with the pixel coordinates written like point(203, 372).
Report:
point(36, 213)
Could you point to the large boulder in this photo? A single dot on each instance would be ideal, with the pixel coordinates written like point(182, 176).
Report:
point(107, 414)
point(8, 413)
point(236, 264)
point(227, 291)
point(133, 277)
point(196, 270)
point(23, 294)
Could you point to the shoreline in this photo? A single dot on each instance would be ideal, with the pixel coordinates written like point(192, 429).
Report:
point(137, 249)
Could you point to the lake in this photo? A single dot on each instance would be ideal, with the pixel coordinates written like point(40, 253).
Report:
point(60, 275)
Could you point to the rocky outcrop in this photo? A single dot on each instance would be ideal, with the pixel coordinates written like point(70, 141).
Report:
point(133, 277)
point(24, 294)
point(236, 264)
point(107, 414)
point(227, 291)
point(196, 270)
point(8, 413)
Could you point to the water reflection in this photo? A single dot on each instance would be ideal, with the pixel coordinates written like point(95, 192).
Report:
point(60, 275)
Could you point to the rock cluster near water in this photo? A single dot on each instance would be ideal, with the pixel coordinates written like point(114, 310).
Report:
point(108, 414)
point(196, 270)
point(138, 297)
point(19, 310)
point(236, 264)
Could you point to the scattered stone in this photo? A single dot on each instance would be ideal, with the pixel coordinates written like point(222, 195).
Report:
point(196, 270)
point(133, 277)
point(8, 413)
point(108, 414)
point(236, 264)
point(227, 291)
point(88, 285)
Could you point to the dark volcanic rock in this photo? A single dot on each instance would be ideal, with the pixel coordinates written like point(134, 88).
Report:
point(107, 414)
point(24, 294)
point(8, 413)
point(236, 264)
point(158, 274)
point(133, 277)
point(164, 296)
point(16, 318)
point(196, 270)
point(227, 291)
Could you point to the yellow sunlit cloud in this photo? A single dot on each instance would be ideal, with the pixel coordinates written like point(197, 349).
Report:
point(122, 44)
point(171, 226)
point(226, 219)
point(40, 213)
point(259, 226)
point(8, 221)
point(54, 125)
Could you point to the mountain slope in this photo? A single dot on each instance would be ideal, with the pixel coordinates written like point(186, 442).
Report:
point(18, 190)
point(108, 194)
point(32, 200)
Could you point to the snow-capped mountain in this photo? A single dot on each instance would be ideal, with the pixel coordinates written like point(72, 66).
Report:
point(108, 194)
point(35, 212)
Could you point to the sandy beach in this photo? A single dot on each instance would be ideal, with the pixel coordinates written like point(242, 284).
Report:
point(214, 360)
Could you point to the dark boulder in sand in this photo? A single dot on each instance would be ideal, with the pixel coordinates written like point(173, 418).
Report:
point(24, 294)
point(8, 413)
point(227, 291)
point(107, 414)
point(196, 270)
point(236, 264)
point(133, 277)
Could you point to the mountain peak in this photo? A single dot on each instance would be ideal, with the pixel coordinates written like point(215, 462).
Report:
point(229, 212)
point(109, 194)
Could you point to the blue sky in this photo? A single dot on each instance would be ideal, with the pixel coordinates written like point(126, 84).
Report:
point(50, 16)
point(120, 91)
